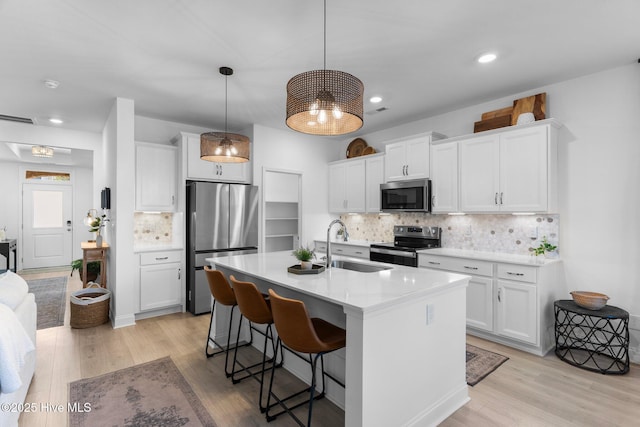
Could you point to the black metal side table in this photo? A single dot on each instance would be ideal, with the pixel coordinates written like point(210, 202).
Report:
point(596, 340)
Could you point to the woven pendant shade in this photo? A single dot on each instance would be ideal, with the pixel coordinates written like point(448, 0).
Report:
point(324, 102)
point(224, 147)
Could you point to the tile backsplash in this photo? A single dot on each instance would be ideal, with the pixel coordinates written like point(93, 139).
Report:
point(152, 229)
point(488, 233)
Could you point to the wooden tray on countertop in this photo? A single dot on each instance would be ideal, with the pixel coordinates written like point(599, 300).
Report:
point(297, 269)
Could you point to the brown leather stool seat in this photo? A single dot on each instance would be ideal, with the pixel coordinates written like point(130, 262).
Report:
point(255, 307)
point(223, 294)
point(299, 332)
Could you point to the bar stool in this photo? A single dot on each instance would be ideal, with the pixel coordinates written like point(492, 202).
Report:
point(222, 293)
point(255, 307)
point(301, 333)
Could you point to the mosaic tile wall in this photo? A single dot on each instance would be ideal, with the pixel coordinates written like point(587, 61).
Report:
point(488, 233)
point(152, 228)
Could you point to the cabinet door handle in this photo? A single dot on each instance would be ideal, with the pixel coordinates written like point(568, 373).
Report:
point(173, 200)
point(470, 268)
point(179, 274)
point(162, 258)
point(358, 252)
point(501, 197)
point(338, 250)
point(433, 200)
point(495, 199)
point(499, 300)
point(433, 263)
point(514, 274)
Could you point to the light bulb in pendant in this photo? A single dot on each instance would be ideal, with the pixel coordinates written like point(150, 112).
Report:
point(313, 109)
point(337, 112)
point(218, 151)
point(322, 116)
point(228, 153)
point(234, 150)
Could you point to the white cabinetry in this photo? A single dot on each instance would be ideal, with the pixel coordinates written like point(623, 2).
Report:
point(374, 177)
point(507, 302)
point(199, 169)
point(444, 177)
point(344, 248)
point(160, 280)
point(347, 186)
point(409, 158)
point(156, 177)
point(509, 170)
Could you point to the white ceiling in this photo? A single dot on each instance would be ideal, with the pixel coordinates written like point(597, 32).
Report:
point(418, 55)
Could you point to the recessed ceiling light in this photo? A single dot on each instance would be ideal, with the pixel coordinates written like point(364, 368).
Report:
point(56, 121)
point(487, 57)
point(375, 99)
point(51, 84)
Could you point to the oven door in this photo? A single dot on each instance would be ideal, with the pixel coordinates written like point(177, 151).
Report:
point(406, 196)
point(393, 256)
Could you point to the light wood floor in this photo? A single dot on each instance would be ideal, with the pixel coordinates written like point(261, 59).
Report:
point(525, 391)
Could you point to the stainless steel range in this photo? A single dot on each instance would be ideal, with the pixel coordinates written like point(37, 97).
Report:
point(407, 239)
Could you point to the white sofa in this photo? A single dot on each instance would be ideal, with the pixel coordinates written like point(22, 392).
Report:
point(18, 318)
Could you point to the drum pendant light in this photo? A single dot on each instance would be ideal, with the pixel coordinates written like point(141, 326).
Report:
point(325, 102)
point(224, 147)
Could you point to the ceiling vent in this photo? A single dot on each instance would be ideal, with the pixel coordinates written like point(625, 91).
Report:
point(16, 119)
point(377, 110)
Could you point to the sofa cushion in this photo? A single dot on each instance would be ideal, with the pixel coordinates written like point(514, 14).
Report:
point(13, 288)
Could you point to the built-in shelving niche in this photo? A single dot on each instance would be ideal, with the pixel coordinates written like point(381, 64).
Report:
point(281, 209)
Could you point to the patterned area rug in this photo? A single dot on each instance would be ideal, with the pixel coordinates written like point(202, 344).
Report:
point(51, 299)
point(150, 394)
point(481, 363)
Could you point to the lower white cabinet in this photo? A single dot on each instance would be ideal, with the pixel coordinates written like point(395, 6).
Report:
point(507, 302)
point(160, 280)
point(517, 312)
point(343, 248)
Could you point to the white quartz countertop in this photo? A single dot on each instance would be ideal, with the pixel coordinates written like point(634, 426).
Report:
point(490, 256)
point(364, 292)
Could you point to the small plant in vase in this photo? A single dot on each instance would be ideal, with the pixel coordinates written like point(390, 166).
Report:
point(545, 248)
point(96, 225)
point(304, 255)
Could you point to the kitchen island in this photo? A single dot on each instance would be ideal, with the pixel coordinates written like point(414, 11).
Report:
point(404, 363)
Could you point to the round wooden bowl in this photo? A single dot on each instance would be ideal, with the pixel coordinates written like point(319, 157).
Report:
point(589, 300)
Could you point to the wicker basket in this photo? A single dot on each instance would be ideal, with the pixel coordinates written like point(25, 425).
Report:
point(89, 307)
point(589, 300)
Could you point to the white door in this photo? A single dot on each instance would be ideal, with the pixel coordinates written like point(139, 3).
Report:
point(394, 164)
point(337, 190)
point(480, 174)
point(480, 303)
point(444, 178)
point(417, 158)
point(374, 173)
point(523, 170)
point(354, 175)
point(517, 311)
point(46, 225)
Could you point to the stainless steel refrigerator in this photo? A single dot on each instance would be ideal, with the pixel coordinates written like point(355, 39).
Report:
point(222, 219)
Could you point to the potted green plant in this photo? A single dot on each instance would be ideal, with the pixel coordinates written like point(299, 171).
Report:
point(545, 248)
point(93, 269)
point(304, 255)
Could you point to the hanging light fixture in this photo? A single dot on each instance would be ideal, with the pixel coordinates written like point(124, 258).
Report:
point(41, 151)
point(223, 146)
point(325, 102)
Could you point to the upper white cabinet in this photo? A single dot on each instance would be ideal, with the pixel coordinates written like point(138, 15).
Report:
point(212, 171)
point(347, 186)
point(509, 170)
point(374, 174)
point(409, 158)
point(156, 177)
point(444, 177)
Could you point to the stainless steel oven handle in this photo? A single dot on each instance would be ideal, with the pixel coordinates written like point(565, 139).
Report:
point(392, 252)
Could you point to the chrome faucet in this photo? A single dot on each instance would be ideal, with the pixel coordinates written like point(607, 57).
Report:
point(346, 236)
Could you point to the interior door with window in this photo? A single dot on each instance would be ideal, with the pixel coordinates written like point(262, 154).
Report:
point(46, 225)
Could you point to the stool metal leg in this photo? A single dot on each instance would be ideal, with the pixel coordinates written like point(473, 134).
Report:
point(221, 348)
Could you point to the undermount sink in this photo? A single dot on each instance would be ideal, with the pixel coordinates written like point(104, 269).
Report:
point(356, 266)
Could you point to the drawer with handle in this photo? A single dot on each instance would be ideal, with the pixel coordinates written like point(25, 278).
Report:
point(458, 265)
point(520, 273)
point(151, 258)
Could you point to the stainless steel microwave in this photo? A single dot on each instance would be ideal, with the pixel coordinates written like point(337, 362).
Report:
point(406, 196)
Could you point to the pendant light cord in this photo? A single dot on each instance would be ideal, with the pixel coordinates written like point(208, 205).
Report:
point(225, 106)
point(325, 35)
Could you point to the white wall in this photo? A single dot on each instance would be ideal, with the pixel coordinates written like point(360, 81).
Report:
point(309, 155)
point(84, 194)
point(161, 131)
point(599, 174)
